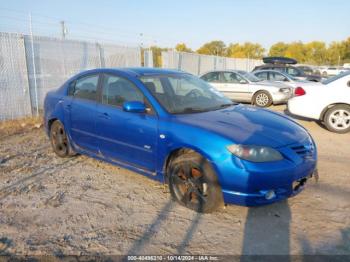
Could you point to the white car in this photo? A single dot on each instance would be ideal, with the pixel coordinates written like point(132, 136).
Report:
point(331, 71)
point(329, 103)
point(277, 76)
point(242, 86)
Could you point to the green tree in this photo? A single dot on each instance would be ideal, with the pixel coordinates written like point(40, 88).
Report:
point(316, 52)
point(247, 50)
point(297, 50)
point(213, 48)
point(181, 47)
point(157, 55)
point(278, 49)
point(346, 51)
point(335, 53)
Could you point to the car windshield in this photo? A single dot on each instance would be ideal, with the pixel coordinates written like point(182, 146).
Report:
point(184, 93)
point(250, 76)
point(335, 78)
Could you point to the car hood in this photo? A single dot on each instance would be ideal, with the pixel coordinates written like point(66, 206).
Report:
point(248, 125)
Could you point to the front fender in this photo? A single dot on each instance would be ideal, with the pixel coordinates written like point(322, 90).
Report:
point(179, 136)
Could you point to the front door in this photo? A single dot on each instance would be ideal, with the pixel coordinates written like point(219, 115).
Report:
point(236, 87)
point(124, 136)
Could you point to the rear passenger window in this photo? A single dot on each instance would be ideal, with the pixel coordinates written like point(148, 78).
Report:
point(117, 90)
point(262, 75)
point(85, 88)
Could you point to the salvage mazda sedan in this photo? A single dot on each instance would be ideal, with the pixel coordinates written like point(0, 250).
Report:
point(176, 128)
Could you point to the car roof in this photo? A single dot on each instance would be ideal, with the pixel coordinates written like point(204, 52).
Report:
point(270, 70)
point(136, 71)
point(223, 70)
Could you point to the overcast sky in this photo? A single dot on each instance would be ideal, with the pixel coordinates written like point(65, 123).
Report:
point(195, 22)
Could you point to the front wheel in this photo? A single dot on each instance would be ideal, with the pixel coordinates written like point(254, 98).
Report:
point(193, 183)
point(262, 99)
point(337, 119)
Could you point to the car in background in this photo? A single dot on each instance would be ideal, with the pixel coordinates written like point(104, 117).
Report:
point(329, 103)
point(175, 128)
point(277, 76)
point(286, 65)
point(331, 71)
point(308, 70)
point(242, 86)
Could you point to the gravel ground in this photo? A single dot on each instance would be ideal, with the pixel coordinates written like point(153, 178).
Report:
point(55, 206)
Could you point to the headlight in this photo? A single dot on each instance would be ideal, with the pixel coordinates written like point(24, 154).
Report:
point(255, 153)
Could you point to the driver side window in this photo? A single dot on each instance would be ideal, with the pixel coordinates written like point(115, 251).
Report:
point(233, 78)
point(117, 90)
point(212, 77)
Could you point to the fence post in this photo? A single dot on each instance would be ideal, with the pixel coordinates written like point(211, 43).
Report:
point(199, 65)
point(33, 61)
point(180, 61)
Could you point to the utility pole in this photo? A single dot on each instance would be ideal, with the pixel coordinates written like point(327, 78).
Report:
point(64, 30)
point(33, 64)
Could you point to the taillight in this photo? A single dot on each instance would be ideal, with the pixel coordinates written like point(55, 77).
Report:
point(299, 91)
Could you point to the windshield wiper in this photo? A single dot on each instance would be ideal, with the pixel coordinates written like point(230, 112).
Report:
point(190, 110)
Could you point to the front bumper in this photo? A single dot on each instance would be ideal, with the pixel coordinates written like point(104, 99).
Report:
point(252, 184)
point(267, 196)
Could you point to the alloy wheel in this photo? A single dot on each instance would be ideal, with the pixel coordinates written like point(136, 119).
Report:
point(189, 187)
point(340, 119)
point(262, 99)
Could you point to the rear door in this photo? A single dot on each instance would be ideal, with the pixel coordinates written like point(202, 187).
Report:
point(83, 112)
point(123, 136)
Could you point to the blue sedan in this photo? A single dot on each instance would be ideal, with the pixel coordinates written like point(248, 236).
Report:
point(174, 127)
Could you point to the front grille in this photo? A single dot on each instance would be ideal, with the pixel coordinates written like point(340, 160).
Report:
point(303, 151)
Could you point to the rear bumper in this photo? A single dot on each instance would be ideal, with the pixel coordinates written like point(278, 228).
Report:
point(280, 98)
point(300, 106)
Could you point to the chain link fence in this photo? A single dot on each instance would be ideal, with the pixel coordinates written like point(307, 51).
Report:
point(198, 64)
point(30, 66)
point(14, 86)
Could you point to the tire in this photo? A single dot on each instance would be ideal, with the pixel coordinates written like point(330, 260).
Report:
point(324, 74)
point(262, 99)
point(59, 140)
point(193, 183)
point(337, 119)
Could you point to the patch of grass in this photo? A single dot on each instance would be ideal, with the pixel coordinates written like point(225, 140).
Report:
point(10, 127)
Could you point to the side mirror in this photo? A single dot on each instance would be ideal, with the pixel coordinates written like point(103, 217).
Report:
point(134, 107)
point(242, 81)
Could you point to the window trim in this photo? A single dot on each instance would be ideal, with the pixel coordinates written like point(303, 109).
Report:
point(148, 104)
point(74, 82)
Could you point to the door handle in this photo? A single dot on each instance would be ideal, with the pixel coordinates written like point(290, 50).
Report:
point(68, 107)
point(105, 115)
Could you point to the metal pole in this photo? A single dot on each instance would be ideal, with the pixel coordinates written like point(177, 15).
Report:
point(33, 61)
point(64, 30)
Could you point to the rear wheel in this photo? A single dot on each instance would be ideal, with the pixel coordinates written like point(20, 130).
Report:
point(193, 183)
point(337, 119)
point(59, 140)
point(262, 99)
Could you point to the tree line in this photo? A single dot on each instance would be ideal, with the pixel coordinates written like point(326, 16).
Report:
point(314, 53)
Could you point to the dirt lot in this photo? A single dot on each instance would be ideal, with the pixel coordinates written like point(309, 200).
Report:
point(78, 206)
